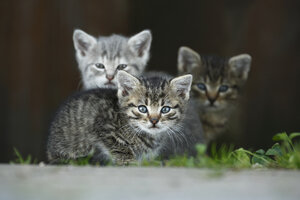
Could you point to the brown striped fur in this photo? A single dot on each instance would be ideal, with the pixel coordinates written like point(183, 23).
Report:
point(109, 124)
point(211, 75)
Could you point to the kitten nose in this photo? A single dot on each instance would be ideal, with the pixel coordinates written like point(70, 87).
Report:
point(153, 120)
point(212, 97)
point(211, 101)
point(110, 77)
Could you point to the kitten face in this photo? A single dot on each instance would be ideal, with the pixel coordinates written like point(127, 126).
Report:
point(100, 59)
point(153, 105)
point(217, 81)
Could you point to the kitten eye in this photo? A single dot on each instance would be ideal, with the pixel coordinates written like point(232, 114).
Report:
point(201, 86)
point(223, 88)
point(121, 66)
point(142, 109)
point(99, 65)
point(165, 109)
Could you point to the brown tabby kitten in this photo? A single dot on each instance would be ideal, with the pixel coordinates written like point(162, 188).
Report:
point(191, 125)
point(122, 125)
point(216, 86)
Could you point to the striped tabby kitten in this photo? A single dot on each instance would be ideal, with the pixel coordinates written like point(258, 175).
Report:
point(120, 125)
point(191, 127)
point(216, 86)
point(100, 59)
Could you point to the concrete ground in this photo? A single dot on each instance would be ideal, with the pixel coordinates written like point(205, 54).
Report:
point(69, 182)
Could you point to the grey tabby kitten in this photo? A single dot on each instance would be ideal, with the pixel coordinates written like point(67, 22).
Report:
point(100, 59)
point(122, 125)
point(191, 127)
point(216, 86)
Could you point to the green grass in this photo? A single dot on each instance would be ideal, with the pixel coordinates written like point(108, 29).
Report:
point(285, 153)
point(78, 162)
point(20, 160)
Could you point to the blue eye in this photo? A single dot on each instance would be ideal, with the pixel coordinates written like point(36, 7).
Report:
point(142, 109)
point(121, 66)
point(201, 86)
point(165, 109)
point(99, 65)
point(223, 88)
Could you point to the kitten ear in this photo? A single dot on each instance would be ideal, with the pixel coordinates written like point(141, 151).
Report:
point(182, 86)
point(126, 83)
point(187, 60)
point(240, 65)
point(140, 43)
point(83, 42)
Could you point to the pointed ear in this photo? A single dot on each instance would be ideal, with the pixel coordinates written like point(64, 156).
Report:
point(187, 60)
point(240, 65)
point(140, 43)
point(83, 42)
point(182, 86)
point(126, 83)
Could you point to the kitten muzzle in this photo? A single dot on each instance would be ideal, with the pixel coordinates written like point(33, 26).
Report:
point(110, 77)
point(154, 121)
point(110, 84)
point(211, 101)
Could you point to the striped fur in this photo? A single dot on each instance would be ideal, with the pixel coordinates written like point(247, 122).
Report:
point(111, 53)
point(191, 126)
point(108, 123)
point(211, 75)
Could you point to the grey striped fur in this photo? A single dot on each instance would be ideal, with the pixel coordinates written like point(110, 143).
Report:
point(191, 126)
point(110, 52)
point(108, 123)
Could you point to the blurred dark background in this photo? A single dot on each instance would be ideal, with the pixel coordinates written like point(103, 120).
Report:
point(38, 67)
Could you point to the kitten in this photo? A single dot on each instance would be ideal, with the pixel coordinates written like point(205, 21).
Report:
point(216, 86)
point(100, 59)
point(122, 125)
point(191, 125)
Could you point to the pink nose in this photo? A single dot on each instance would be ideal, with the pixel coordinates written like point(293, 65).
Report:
point(154, 121)
point(110, 77)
